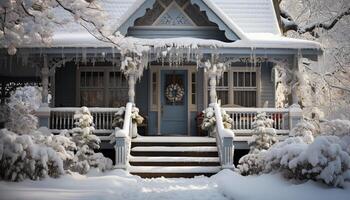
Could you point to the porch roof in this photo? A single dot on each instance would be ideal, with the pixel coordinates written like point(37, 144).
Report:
point(253, 40)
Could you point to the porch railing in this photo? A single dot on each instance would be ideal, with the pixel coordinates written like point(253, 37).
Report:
point(122, 138)
point(224, 140)
point(244, 117)
point(63, 118)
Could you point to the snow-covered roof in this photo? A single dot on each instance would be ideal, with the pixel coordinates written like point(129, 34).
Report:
point(254, 21)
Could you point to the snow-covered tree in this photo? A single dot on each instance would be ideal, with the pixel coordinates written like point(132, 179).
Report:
point(28, 21)
point(87, 142)
point(325, 85)
point(264, 135)
point(22, 105)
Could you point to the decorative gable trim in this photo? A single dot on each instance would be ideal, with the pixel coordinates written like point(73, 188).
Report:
point(174, 15)
point(130, 17)
point(232, 32)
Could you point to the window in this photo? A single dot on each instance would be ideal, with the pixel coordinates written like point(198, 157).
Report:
point(91, 88)
point(102, 87)
point(237, 88)
point(117, 89)
point(244, 89)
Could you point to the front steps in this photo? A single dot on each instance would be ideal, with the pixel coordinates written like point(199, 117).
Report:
point(174, 157)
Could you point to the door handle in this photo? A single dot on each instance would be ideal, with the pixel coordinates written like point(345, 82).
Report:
point(162, 109)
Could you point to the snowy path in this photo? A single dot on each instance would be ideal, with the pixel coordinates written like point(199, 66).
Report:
point(226, 185)
point(115, 185)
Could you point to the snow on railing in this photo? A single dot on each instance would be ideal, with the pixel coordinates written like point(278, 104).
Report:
point(122, 139)
point(244, 117)
point(224, 139)
point(63, 118)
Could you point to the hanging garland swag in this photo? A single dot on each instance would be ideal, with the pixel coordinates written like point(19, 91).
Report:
point(174, 92)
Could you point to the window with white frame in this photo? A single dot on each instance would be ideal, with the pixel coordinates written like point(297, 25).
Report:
point(237, 88)
point(244, 88)
point(102, 88)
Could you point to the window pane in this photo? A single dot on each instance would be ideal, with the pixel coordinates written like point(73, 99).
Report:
point(247, 79)
point(91, 98)
point(254, 79)
point(240, 79)
point(235, 79)
point(245, 98)
point(118, 98)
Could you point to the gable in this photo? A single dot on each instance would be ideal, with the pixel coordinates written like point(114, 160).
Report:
point(176, 18)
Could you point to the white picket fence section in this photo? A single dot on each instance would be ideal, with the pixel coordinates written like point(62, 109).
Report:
point(244, 117)
point(63, 118)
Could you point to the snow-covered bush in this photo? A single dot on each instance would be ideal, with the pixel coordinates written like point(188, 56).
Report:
point(87, 142)
point(29, 156)
point(325, 160)
point(304, 129)
point(22, 105)
point(336, 127)
point(252, 163)
point(264, 135)
point(118, 119)
point(209, 120)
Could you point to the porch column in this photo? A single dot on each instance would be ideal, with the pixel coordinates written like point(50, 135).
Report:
point(45, 82)
point(212, 84)
point(295, 115)
point(43, 113)
point(131, 92)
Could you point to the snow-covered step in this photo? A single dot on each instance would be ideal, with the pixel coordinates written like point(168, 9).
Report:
point(172, 139)
point(191, 151)
point(156, 171)
point(173, 159)
point(175, 149)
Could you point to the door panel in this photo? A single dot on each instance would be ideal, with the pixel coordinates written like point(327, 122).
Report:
point(173, 102)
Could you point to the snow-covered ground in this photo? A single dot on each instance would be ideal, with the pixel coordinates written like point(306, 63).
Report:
point(118, 184)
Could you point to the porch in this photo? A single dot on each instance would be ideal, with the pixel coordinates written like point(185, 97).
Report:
point(62, 118)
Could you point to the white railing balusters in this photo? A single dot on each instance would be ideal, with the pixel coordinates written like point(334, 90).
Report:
point(63, 118)
point(244, 117)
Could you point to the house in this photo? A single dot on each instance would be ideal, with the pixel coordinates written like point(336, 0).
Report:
point(218, 53)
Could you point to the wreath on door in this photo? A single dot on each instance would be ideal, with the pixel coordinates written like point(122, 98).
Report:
point(174, 92)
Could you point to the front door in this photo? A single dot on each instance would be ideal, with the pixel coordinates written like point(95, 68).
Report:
point(173, 112)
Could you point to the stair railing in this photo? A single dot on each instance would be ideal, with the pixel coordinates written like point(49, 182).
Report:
point(224, 140)
point(122, 138)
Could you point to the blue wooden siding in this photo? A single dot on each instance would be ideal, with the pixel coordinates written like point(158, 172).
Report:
point(152, 123)
point(65, 83)
point(267, 85)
